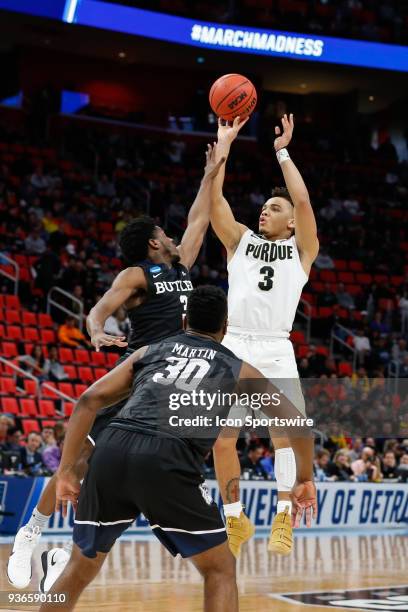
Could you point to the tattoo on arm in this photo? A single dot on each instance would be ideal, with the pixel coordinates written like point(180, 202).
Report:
point(232, 490)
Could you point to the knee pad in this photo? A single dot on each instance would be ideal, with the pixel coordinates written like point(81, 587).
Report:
point(285, 469)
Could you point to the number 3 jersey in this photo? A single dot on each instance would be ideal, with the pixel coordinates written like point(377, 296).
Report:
point(266, 279)
point(180, 379)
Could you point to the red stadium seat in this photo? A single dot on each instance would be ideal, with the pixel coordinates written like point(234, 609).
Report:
point(30, 386)
point(28, 407)
point(364, 279)
point(298, 337)
point(99, 372)
point(71, 371)
point(14, 332)
point(30, 425)
point(66, 355)
point(68, 408)
point(79, 389)
point(302, 350)
point(67, 388)
point(346, 277)
point(46, 391)
point(31, 334)
point(345, 368)
point(12, 301)
point(82, 356)
point(8, 386)
point(9, 350)
point(86, 374)
point(9, 404)
point(29, 318)
point(325, 312)
point(48, 423)
point(47, 336)
point(322, 350)
point(356, 266)
point(46, 408)
point(112, 359)
point(98, 359)
point(45, 320)
point(12, 317)
point(341, 264)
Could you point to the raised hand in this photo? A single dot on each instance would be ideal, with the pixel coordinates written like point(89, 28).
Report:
point(284, 135)
point(227, 132)
point(211, 166)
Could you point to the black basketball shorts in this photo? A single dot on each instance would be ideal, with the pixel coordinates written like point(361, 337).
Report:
point(132, 473)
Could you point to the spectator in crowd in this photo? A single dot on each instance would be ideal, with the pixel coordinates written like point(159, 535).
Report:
point(367, 468)
point(321, 464)
point(118, 323)
point(327, 297)
point(403, 468)
point(389, 466)
point(344, 299)
point(362, 345)
point(34, 362)
point(356, 449)
point(13, 439)
point(105, 187)
point(403, 372)
point(315, 360)
point(53, 369)
point(52, 453)
point(70, 335)
point(252, 461)
point(38, 180)
point(304, 369)
point(403, 307)
point(31, 460)
point(323, 261)
point(5, 424)
point(339, 469)
point(48, 438)
point(34, 244)
point(379, 325)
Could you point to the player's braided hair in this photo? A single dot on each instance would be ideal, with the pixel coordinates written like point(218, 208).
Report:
point(134, 239)
point(207, 309)
point(281, 192)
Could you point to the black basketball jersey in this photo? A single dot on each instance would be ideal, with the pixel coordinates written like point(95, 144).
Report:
point(161, 314)
point(177, 380)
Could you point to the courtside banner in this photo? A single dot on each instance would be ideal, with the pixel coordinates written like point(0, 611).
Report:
point(341, 505)
point(240, 39)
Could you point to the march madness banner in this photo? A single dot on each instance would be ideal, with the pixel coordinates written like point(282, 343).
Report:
point(351, 505)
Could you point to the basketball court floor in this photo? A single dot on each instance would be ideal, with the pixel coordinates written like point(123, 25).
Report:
point(328, 570)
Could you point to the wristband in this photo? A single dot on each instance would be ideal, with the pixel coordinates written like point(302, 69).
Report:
point(282, 155)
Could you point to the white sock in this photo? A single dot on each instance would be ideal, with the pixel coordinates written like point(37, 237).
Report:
point(68, 547)
point(284, 505)
point(38, 520)
point(234, 509)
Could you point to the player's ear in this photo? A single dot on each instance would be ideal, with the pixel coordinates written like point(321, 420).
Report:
point(291, 224)
point(225, 327)
point(154, 244)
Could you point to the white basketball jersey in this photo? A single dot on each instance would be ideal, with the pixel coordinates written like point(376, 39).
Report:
point(266, 279)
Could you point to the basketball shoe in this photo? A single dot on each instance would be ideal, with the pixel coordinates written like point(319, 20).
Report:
point(19, 564)
point(53, 563)
point(281, 538)
point(239, 531)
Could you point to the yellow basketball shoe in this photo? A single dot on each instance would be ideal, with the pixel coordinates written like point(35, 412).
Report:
point(239, 531)
point(281, 538)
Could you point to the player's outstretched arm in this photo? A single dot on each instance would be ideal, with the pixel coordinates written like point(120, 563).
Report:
point(305, 222)
point(228, 230)
point(227, 466)
point(108, 390)
point(199, 214)
point(123, 287)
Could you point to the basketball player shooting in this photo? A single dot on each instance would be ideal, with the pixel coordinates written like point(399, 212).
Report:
point(267, 271)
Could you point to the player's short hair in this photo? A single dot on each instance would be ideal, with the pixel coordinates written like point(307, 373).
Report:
point(207, 309)
point(281, 192)
point(134, 239)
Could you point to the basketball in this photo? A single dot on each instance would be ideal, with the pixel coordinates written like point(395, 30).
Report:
point(233, 95)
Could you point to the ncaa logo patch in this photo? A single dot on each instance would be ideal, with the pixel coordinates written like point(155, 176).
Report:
point(380, 598)
point(205, 493)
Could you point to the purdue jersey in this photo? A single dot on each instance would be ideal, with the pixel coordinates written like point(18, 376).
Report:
point(181, 377)
point(266, 279)
point(161, 313)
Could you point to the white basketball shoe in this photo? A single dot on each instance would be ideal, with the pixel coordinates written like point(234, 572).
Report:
point(19, 570)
